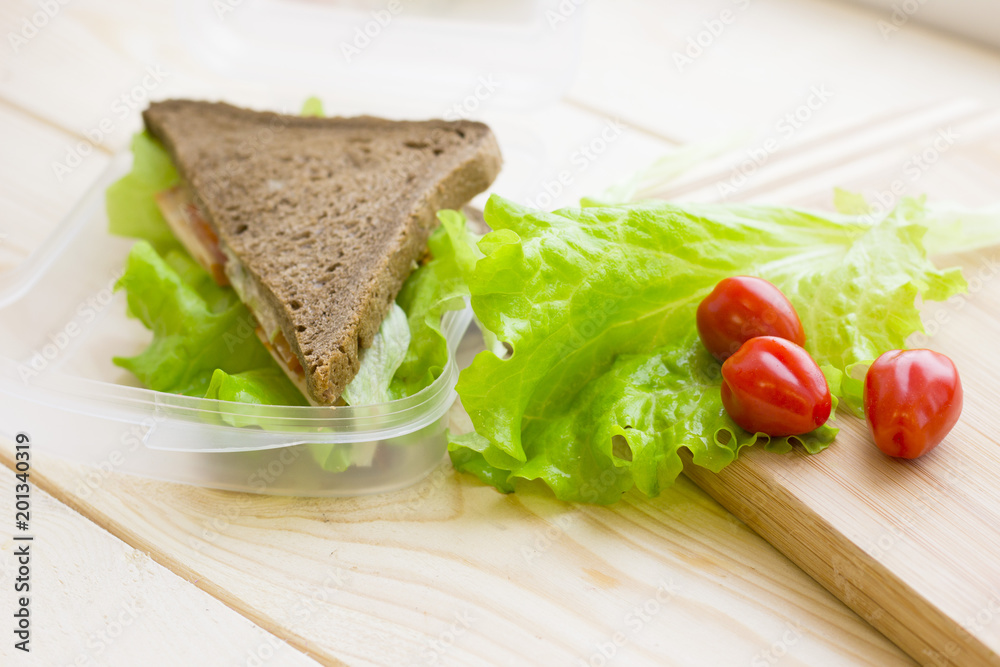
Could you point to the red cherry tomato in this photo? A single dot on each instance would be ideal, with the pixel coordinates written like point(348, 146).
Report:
point(772, 386)
point(912, 398)
point(744, 307)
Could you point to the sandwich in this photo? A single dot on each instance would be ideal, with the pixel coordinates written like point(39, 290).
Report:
point(314, 222)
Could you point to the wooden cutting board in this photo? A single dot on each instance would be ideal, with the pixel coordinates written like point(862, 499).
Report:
point(913, 547)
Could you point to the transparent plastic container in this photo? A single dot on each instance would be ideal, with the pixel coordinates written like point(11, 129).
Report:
point(427, 52)
point(62, 324)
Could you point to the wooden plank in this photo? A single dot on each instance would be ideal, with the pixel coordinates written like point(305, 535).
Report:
point(32, 197)
point(910, 546)
point(784, 172)
point(762, 64)
point(450, 572)
point(95, 600)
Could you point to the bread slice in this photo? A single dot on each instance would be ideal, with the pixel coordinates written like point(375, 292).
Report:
point(322, 219)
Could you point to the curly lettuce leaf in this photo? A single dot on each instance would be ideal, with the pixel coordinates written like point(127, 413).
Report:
point(260, 386)
point(621, 426)
point(607, 380)
point(312, 107)
point(432, 290)
point(131, 209)
point(381, 361)
point(198, 328)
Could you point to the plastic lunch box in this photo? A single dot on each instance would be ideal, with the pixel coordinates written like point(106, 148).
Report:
point(61, 322)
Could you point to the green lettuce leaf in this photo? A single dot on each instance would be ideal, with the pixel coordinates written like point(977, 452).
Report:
point(198, 328)
point(262, 386)
point(851, 203)
point(312, 107)
point(432, 290)
point(607, 380)
point(381, 361)
point(131, 209)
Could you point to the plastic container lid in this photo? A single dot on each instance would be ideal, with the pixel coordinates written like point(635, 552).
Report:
point(513, 54)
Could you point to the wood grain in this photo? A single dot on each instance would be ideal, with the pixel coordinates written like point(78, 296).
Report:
point(97, 601)
point(450, 572)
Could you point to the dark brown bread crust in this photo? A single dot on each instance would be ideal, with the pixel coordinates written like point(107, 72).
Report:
point(327, 215)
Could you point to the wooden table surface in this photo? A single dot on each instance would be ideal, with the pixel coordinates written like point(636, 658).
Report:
point(448, 572)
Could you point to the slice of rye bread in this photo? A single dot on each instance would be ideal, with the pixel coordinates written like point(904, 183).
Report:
point(327, 215)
